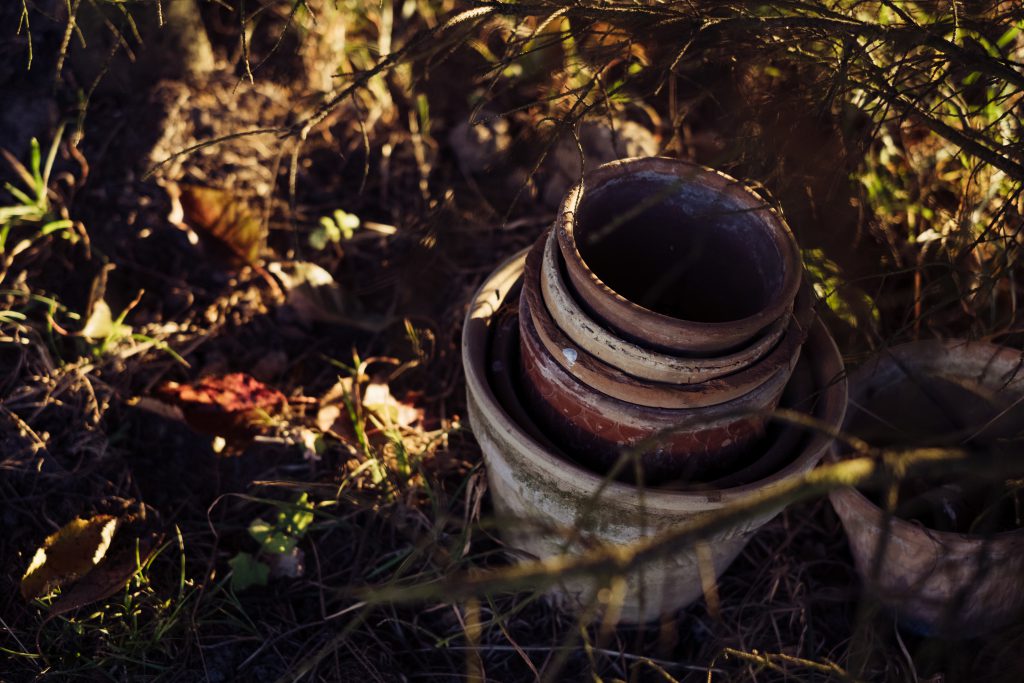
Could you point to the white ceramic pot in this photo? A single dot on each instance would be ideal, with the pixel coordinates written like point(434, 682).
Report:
point(530, 483)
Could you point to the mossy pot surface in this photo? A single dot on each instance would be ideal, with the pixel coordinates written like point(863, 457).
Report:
point(531, 483)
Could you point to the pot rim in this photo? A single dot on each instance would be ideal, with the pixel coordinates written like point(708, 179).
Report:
point(486, 301)
point(750, 384)
point(911, 353)
point(633, 359)
point(732, 332)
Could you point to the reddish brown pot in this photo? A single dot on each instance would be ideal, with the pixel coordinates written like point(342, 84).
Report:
point(677, 257)
point(762, 382)
point(769, 454)
point(598, 428)
point(939, 582)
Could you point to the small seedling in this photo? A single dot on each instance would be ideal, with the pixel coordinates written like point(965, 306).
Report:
point(277, 538)
point(333, 229)
point(32, 205)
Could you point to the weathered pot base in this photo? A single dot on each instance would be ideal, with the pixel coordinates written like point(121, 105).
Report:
point(528, 482)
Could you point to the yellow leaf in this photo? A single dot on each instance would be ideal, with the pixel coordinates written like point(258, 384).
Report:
point(68, 554)
point(100, 324)
point(394, 413)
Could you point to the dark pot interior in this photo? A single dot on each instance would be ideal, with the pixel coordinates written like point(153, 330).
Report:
point(679, 248)
point(923, 410)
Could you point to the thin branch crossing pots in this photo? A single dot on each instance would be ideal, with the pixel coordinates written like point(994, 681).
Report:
point(532, 480)
point(949, 560)
point(606, 419)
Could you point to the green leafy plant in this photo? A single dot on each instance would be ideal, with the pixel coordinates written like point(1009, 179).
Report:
point(32, 203)
point(334, 228)
point(847, 302)
point(279, 537)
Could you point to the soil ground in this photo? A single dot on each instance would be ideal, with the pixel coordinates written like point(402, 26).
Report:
point(399, 499)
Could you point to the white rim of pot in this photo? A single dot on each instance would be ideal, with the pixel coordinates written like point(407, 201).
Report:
point(751, 386)
point(485, 303)
point(632, 358)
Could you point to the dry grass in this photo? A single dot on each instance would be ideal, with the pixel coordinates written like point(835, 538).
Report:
point(923, 241)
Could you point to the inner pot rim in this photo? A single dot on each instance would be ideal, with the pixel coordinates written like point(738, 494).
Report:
point(487, 300)
point(711, 396)
point(779, 233)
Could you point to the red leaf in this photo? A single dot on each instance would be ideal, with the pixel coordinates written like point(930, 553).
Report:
point(230, 406)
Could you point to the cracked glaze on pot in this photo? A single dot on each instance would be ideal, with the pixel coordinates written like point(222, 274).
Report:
point(924, 571)
point(528, 482)
point(676, 256)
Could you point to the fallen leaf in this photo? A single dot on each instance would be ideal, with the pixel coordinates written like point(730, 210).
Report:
point(291, 565)
point(333, 417)
point(109, 576)
point(247, 571)
point(101, 324)
point(315, 296)
point(68, 554)
point(233, 406)
point(219, 214)
point(377, 398)
point(327, 417)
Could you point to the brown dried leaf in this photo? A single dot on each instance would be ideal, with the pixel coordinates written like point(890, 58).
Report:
point(68, 554)
point(332, 416)
point(219, 214)
point(108, 577)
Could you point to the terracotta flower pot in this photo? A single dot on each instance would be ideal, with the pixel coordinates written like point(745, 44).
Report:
point(677, 257)
point(634, 359)
point(764, 456)
point(530, 482)
point(769, 374)
point(599, 428)
point(943, 582)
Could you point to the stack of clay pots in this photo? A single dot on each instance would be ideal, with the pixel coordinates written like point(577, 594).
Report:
point(662, 316)
point(621, 376)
